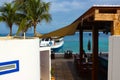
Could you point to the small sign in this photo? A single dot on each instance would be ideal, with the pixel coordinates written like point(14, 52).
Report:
point(9, 67)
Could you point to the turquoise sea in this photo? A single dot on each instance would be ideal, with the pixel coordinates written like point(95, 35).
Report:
point(72, 42)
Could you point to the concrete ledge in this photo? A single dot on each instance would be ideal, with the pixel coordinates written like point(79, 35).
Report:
point(16, 37)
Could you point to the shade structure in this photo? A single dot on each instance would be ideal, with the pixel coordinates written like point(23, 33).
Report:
point(96, 19)
point(38, 34)
point(68, 30)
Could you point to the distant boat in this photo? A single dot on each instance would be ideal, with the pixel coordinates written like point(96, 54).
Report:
point(55, 43)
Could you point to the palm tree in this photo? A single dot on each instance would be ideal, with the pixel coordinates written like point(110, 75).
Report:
point(37, 11)
point(8, 15)
point(22, 21)
point(34, 11)
point(23, 26)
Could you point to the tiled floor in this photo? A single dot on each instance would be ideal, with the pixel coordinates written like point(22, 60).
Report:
point(64, 69)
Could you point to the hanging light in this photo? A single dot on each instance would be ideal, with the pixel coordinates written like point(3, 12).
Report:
point(89, 43)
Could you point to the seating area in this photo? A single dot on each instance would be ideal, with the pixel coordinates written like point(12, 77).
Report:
point(68, 54)
point(72, 69)
point(85, 67)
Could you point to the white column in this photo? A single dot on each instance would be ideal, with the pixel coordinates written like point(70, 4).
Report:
point(114, 58)
point(45, 63)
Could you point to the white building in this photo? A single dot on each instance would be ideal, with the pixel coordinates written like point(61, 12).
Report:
point(23, 59)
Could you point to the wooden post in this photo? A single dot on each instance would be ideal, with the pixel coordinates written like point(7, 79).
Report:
point(116, 28)
point(81, 43)
point(95, 53)
point(116, 24)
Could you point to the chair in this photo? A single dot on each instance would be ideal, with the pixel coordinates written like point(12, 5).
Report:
point(85, 69)
point(68, 54)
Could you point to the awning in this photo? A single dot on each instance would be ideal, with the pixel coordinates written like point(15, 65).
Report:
point(38, 34)
point(68, 30)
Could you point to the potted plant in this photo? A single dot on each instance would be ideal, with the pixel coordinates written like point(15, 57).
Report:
point(52, 74)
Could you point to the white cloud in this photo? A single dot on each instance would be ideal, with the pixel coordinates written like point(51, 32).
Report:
point(65, 6)
point(72, 5)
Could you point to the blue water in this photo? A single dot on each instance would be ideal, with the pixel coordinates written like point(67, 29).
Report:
point(72, 42)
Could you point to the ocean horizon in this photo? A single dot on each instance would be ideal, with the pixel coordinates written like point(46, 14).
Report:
point(72, 42)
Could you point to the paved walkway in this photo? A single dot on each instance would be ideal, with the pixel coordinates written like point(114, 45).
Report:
point(64, 69)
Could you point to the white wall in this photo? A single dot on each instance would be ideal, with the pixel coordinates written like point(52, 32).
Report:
point(114, 58)
point(26, 51)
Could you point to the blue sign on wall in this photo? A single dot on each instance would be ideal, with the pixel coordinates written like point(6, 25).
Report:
point(9, 67)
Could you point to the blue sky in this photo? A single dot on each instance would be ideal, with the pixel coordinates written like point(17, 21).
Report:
point(63, 13)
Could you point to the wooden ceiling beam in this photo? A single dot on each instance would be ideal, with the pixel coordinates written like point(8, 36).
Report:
point(88, 16)
point(105, 17)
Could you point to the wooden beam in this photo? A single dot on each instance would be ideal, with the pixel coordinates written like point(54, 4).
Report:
point(95, 53)
point(105, 17)
point(88, 16)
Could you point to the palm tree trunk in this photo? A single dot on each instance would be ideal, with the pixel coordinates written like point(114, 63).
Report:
point(35, 30)
point(10, 30)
